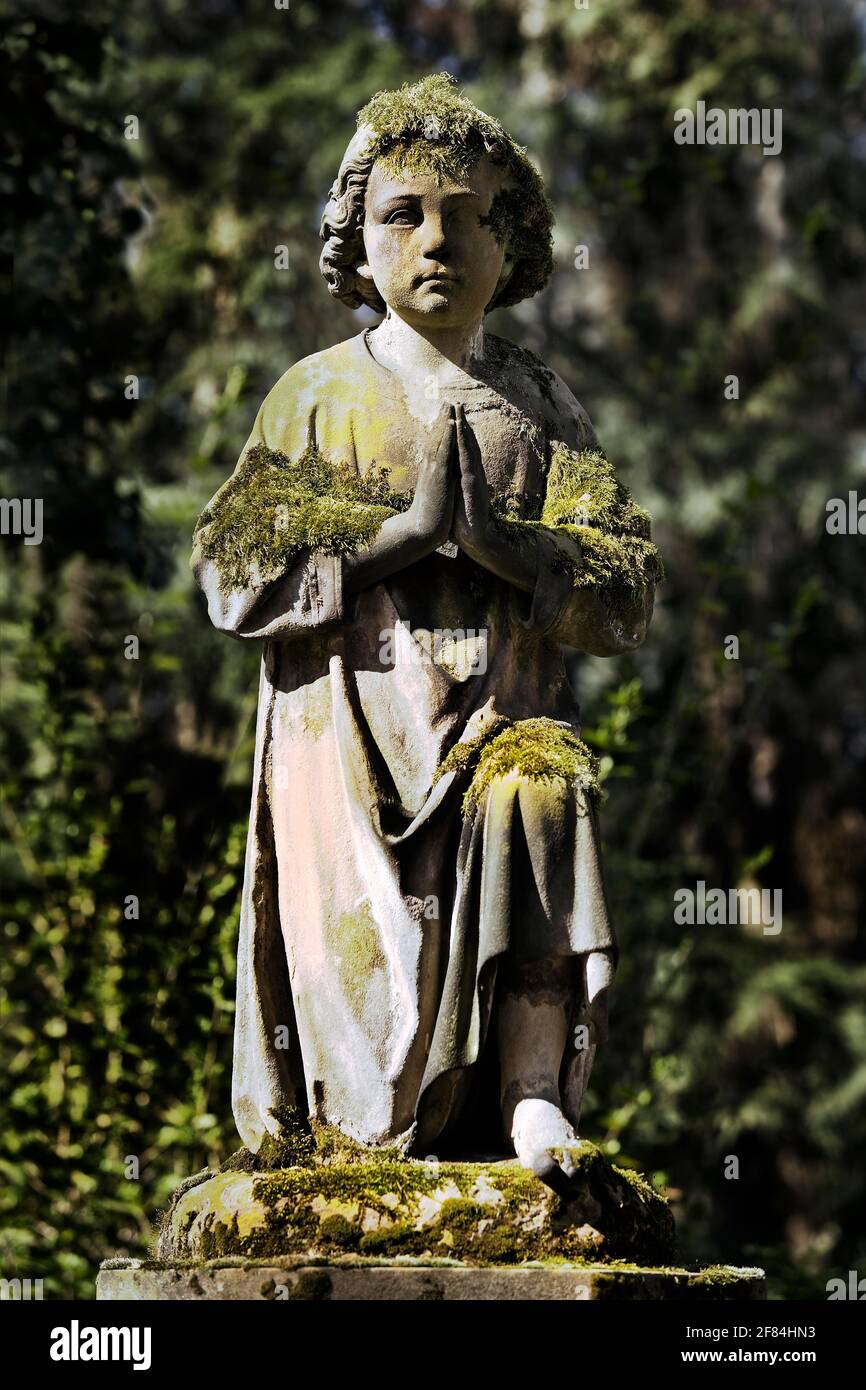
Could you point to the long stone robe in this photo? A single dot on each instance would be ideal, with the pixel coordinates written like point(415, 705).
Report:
point(376, 914)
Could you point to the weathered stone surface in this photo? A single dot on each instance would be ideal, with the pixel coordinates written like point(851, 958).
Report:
point(414, 1280)
point(492, 1213)
point(420, 518)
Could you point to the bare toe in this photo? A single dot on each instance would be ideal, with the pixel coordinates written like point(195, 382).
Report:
point(545, 1142)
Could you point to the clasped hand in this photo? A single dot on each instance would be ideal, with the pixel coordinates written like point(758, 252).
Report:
point(451, 502)
point(452, 499)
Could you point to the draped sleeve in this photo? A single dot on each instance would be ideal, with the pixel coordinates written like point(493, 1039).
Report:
point(305, 594)
point(596, 565)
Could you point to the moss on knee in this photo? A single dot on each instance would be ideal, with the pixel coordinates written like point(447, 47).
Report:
point(540, 749)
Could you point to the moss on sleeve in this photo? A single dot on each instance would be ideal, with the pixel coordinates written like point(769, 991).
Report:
point(586, 502)
point(273, 508)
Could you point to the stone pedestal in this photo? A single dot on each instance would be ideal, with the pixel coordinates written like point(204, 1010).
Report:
point(381, 1206)
point(415, 1280)
point(319, 1217)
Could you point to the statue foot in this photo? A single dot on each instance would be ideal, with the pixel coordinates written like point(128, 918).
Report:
point(542, 1139)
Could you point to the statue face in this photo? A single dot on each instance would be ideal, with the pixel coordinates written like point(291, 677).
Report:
point(430, 258)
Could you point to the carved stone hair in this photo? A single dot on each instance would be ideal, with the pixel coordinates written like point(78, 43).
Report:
point(343, 225)
point(521, 216)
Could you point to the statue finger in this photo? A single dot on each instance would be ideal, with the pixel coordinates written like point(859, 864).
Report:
point(463, 448)
point(444, 432)
point(470, 452)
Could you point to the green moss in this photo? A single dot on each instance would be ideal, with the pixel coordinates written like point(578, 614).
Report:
point(355, 1171)
point(474, 1231)
point(722, 1276)
point(345, 1183)
point(316, 714)
point(539, 749)
point(335, 1147)
point(354, 942)
point(465, 755)
point(641, 1185)
point(479, 1214)
point(583, 490)
point(632, 1217)
point(503, 1230)
point(586, 501)
point(241, 1161)
point(302, 1142)
point(273, 507)
point(470, 1231)
point(194, 1181)
point(294, 1145)
point(217, 1238)
point(336, 1230)
point(397, 1238)
point(431, 127)
point(712, 1281)
point(536, 748)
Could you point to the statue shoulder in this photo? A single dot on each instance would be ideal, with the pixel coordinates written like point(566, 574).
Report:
point(289, 410)
point(547, 393)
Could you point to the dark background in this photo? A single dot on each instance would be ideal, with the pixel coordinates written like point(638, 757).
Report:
point(155, 258)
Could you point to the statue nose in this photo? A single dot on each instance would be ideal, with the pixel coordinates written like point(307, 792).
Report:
point(433, 237)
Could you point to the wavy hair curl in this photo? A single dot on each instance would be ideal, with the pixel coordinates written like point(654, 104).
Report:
point(342, 231)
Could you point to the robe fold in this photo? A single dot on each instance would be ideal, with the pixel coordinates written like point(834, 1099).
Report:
point(376, 911)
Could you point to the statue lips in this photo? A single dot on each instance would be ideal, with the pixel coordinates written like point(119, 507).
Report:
point(438, 277)
point(442, 287)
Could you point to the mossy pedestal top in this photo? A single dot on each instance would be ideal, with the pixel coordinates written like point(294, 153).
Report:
point(314, 1215)
point(346, 1201)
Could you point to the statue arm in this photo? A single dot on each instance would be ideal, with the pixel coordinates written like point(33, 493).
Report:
point(309, 595)
point(316, 591)
point(544, 562)
point(306, 594)
point(584, 615)
point(597, 567)
point(590, 579)
point(261, 583)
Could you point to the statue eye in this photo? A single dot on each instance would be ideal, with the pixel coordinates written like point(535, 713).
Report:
point(402, 217)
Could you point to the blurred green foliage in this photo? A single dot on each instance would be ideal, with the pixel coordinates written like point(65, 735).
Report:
point(154, 258)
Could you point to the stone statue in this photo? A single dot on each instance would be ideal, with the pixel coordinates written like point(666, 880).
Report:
point(420, 518)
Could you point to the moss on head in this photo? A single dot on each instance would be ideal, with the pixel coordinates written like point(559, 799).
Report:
point(431, 127)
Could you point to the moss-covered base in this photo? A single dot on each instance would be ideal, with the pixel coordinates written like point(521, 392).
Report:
point(356, 1277)
point(384, 1205)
